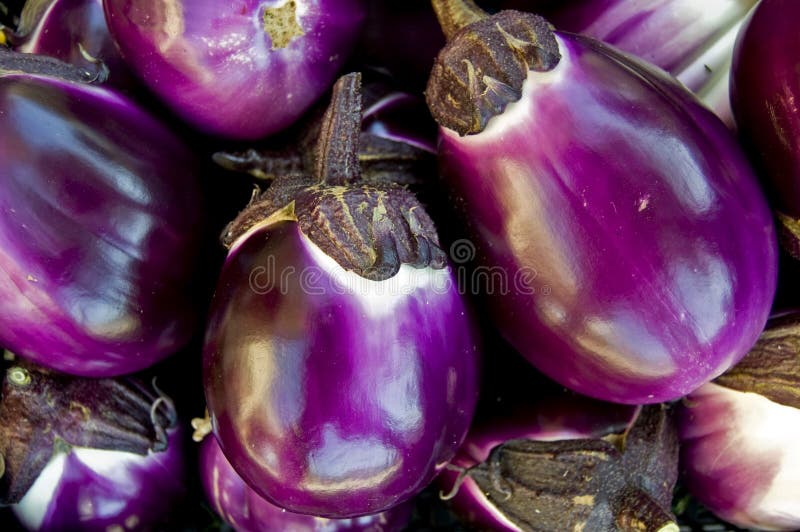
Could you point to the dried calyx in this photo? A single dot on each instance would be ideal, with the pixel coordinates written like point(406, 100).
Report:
point(772, 367)
point(621, 482)
point(368, 227)
point(485, 62)
point(43, 412)
point(17, 63)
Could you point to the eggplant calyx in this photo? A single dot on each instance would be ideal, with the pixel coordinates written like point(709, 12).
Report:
point(280, 23)
point(772, 366)
point(483, 67)
point(636, 510)
point(47, 413)
point(35, 64)
point(587, 484)
point(789, 233)
point(369, 228)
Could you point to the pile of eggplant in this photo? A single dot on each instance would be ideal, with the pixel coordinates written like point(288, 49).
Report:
point(373, 265)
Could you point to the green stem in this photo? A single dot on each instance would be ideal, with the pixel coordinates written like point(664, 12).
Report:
point(454, 15)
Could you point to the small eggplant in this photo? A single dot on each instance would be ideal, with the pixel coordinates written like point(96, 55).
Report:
point(567, 462)
point(246, 511)
point(739, 435)
point(765, 89)
point(241, 70)
point(73, 31)
point(99, 225)
point(87, 454)
point(648, 250)
point(340, 360)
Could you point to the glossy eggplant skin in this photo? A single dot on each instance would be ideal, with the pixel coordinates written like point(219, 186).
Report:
point(764, 92)
point(89, 489)
point(246, 511)
point(739, 456)
point(214, 65)
point(332, 399)
point(649, 248)
point(99, 223)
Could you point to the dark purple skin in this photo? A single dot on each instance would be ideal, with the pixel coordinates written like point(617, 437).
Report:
point(328, 401)
point(99, 222)
point(214, 65)
point(402, 38)
point(650, 248)
point(124, 490)
point(765, 88)
point(246, 511)
point(58, 28)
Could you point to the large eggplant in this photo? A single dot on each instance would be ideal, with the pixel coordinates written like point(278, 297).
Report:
point(647, 250)
point(340, 360)
point(100, 219)
point(237, 69)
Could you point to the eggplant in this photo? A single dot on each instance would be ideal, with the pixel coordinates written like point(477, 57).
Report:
point(691, 40)
point(340, 361)
point(764, 92)
point(239, 70)
point(100, 218)
point(566, 462)
point(73, 31)
point(88, 454)
point(646, 247)
point(246, 511)
point(739, 453)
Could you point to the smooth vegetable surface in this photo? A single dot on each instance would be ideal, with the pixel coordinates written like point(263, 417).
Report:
point(764, 92)
point(98, 235)
point(246, 511)
point(236, 69)
point(739, 434)
point(648, 249)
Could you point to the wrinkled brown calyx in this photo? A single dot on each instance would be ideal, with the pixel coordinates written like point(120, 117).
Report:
point(485, 63)
point(43, 412)
point(772, 367)
point(616, 483)
point(368, 227)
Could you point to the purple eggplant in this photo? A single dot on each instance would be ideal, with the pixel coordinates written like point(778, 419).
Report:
point(88, 454)
point(340, 361)
point(73, 31)
point(648, 250)
point(242, 70)
point(691, 40)
point(246, 511)
point(99, 228)
point(565, 462)
point(764, 92)
point(739, 435)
